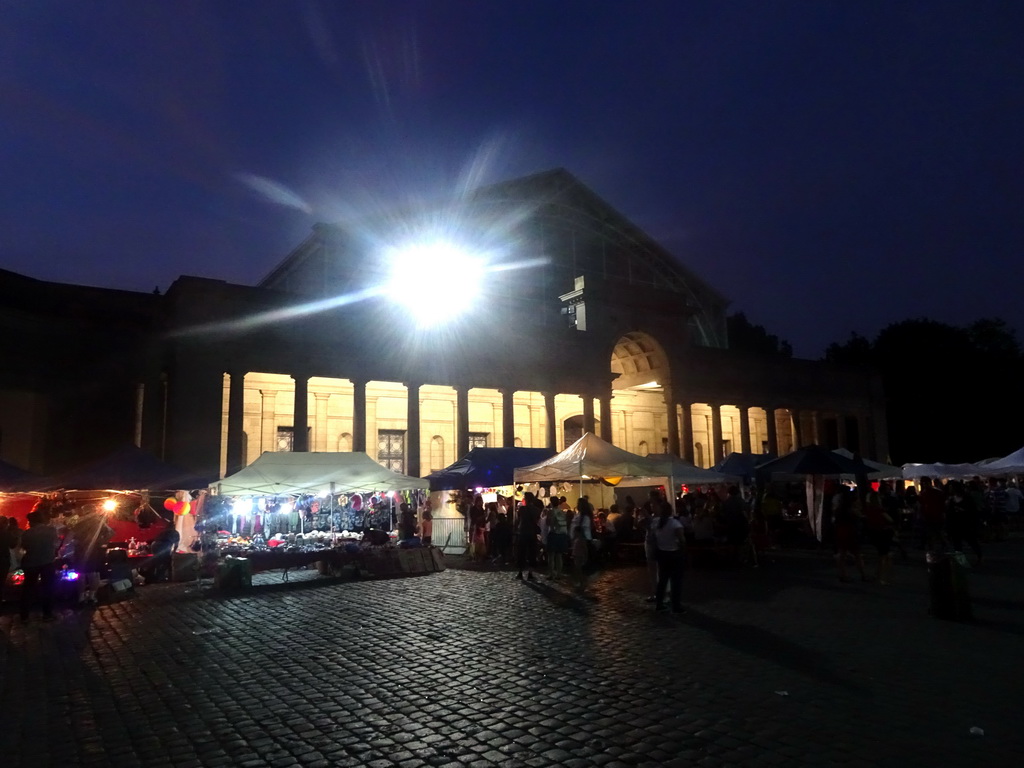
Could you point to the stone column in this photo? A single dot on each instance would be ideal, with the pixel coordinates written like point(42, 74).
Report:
point(773, 430)
point(819, 429)
point(745, 429)
point(673, 422)
point(462, 421)
point(300, 424)
point(549, 424)
point(320, 401)
point(798, 432)
point(236, 417)
point(606, 418)
point(268, 420)
point(588, 413)
point(359, 416)
point(412, 430)
point(716, 432)
point(841, 434)
point(686, 437)
point(508, 419)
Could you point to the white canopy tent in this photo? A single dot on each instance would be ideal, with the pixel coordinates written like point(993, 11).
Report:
point(673, 470)
point(282, 473)
point(1008, 465)
point(940, 470)
point(589, 458)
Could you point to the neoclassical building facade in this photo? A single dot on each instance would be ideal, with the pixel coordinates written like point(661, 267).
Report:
point(581, 323)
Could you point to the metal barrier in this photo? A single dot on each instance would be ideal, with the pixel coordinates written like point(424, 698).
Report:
point(450, 535)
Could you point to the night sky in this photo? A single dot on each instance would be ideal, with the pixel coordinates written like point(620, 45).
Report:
point(829, 166)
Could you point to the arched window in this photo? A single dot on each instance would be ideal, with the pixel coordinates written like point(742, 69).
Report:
point(642, 448)
point(436, 453)
point(518, 442)
point(345, 442)
point(698, 454)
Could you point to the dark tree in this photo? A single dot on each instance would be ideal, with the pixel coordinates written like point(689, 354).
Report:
point(744, 336)
point(950, 391)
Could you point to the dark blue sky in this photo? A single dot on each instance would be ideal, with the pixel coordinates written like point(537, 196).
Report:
point(829, 166)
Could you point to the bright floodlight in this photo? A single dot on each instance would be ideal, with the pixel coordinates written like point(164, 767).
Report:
point(434, 281)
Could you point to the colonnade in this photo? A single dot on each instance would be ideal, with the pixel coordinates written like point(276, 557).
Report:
point(654, 422)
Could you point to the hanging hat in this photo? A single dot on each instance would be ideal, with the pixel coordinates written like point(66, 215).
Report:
point(357, 501)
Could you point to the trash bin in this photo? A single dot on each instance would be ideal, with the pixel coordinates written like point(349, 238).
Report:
point(947, 586)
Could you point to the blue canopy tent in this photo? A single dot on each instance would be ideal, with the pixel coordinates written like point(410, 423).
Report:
point(742, 464)
point(486, 468)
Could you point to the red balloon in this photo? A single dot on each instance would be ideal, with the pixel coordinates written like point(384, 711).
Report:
point(170, 504)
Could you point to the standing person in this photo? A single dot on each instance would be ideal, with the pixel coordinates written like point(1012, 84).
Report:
point(558, 539)
point(932, 503)
point(406, 522)
point(669, 542)
point(995, 502)
point(846, 532)
point(427, 526)
point(526, 543)
point(582, 534)
point(7, 536)
point(90, 535)
point(1013, 504)
point(40, 544)
point(963, 520)
point(880, 531)
point(164, 545)
point(650, 512)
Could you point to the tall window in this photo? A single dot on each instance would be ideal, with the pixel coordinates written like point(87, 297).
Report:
point(478, 440)
point(518, 442)
point(345, 442)
point(286, 438)
point(642, 448)
point(391, 449)
point(726, 447)
point(436, 453)
point(698, 454)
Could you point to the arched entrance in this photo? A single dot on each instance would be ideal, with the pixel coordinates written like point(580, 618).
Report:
point(640, 419)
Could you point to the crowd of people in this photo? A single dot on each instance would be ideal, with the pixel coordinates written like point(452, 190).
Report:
point(77, 541)
point(571, 541)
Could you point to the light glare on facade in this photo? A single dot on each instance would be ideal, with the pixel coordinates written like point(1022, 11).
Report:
point(434, 281)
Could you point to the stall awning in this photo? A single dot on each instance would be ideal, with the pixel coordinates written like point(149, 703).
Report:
point(486, 468)
point(127, 469)
point(591, 458)
point(278, 473)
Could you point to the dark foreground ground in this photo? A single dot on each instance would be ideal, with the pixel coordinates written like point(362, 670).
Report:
point(780, 665)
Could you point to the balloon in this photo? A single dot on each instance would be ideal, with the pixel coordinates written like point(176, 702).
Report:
point(170, 503)
point(182, 508)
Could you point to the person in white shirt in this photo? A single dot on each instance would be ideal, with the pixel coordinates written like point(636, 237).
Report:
point(670, 540)
point(1013, 500)
point(581, 533)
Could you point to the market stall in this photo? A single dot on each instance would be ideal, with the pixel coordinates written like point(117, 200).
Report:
point(594, 465)
point(488, 472)
point(290, 510)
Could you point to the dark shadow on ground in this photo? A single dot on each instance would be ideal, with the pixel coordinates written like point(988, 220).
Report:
point(754, 641)
point(575, 603)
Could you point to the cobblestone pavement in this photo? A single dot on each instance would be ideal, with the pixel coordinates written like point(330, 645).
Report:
point(780, 665)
